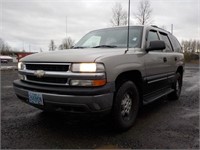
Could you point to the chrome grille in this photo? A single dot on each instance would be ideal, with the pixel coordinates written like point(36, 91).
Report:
point(53, 73)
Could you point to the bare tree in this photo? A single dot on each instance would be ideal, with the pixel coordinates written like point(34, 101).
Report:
point(191, 46)
point(52, 46)
point(67, 43)
point(144, 12)
point(4, 47)
point(119, 16)
point(2, 44)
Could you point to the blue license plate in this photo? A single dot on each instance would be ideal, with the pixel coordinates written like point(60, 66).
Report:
point(35, 98)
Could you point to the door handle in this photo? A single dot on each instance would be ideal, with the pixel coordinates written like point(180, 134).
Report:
point(164, 59)
point(175, 58)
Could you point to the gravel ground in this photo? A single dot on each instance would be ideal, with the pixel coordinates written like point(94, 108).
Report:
point(162, 124)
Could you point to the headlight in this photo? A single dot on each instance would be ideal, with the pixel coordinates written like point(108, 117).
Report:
point(87, 67)
point(21, 66)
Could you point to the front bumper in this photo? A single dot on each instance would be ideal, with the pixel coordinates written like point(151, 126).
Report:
point(67, 98)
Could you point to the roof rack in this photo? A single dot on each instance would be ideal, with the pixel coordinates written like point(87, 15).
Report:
point(160, 28)
point(155, 26)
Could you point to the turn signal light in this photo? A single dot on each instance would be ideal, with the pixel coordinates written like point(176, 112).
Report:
point(99, 82)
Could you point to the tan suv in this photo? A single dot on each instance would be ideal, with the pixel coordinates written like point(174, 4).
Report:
point(99, 74)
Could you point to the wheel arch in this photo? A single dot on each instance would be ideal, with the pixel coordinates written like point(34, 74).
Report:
point(134, 76)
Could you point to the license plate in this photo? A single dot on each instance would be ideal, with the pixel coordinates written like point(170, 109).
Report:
point(35, 98)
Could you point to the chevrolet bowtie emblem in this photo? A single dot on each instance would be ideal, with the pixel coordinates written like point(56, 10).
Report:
point(39, 73)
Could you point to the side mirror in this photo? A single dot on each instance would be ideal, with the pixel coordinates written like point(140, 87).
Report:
point(156, 45)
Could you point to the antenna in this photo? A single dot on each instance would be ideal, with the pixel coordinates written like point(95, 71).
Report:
point(128, 26)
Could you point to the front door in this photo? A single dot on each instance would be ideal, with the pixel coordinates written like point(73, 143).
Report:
point(156, 67)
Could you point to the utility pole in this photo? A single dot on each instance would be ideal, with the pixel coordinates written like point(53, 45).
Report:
point(128, 25)
point(29, 48)
point(171, 28)
point(23, 46)
point(66, 26)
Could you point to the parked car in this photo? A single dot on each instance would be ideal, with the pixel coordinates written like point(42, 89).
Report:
point(5, 59)
point(101, 75)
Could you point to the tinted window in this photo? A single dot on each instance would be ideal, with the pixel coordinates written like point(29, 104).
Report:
point(176, 44)
point(167, 42)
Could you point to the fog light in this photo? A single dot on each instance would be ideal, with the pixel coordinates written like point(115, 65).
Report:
point(22, 77)
point(81, 82)
point(87, 82)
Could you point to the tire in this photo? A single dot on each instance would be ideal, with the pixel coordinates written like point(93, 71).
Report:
point(126, 106)
point(177, 85)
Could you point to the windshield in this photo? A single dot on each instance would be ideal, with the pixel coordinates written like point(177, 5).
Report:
point(112, 37)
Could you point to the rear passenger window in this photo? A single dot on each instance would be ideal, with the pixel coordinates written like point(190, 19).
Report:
point(176, 44)
point(167, 42)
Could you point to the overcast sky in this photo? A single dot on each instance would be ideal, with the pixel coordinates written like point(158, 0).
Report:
point(33, 23)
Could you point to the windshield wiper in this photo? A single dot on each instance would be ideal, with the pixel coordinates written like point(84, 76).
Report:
point(79, 47)
point(106, 46)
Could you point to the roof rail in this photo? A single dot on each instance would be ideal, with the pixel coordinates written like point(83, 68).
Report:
point(154, 26)
point(160, 28)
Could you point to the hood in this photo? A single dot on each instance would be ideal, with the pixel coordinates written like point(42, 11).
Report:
point(73, 55)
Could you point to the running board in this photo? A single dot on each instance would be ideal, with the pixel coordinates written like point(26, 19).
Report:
point(156, 95)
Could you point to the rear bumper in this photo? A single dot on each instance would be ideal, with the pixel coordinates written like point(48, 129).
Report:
point(67, 98)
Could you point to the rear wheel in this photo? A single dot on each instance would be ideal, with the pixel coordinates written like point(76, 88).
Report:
point(177, 85)
point(126, 105)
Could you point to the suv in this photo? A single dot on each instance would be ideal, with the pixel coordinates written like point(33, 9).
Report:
point(99, 74)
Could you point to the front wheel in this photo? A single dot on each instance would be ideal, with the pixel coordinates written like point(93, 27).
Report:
point(126, 105)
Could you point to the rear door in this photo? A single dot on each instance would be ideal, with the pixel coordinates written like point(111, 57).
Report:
point(177, 53)
point(168, 52)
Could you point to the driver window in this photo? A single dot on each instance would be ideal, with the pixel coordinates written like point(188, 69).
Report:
point(152, 36)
